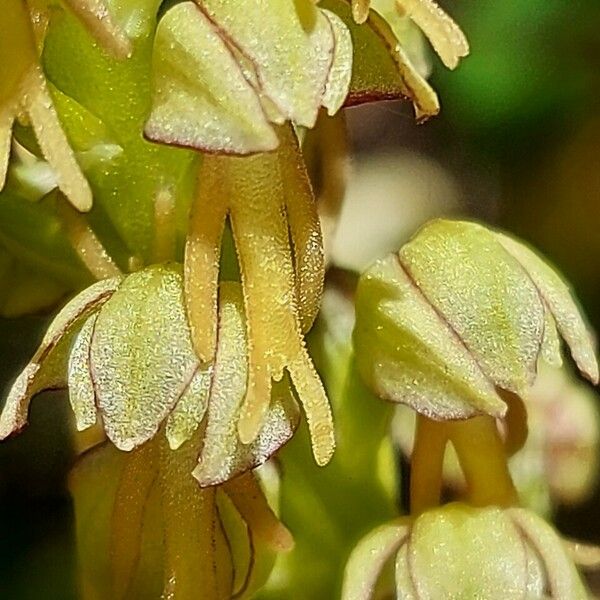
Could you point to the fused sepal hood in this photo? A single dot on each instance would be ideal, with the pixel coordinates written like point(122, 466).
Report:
point(458, 312)
point(218, 87)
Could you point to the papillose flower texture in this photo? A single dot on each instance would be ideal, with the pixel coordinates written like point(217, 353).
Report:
point(177, 168)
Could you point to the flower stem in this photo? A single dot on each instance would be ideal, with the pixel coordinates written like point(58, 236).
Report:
point(483, 459)
point(426, 464)
point(482, 456)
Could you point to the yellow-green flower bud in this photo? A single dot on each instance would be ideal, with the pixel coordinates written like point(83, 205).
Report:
point(461, 552)
point(460, 312)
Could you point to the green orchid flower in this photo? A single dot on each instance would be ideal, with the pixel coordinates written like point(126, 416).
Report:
point(124, 350)
point(391, 20)
point(454, 326)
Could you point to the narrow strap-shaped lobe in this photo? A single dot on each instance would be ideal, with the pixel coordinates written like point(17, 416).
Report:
point(305, 229)
point(86, 243)
point(274, 333)
point(202, 255)
point(360, 10)
point(250, 501)
point(94, 14)
point(445, 35)
point(53, 141)
point(261, 237)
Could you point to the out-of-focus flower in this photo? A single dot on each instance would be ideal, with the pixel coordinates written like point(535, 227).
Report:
point(389, 196)
point(460, 313)
point(558, 463)
point(146, 530)
point(458, 551)
point(564, 432)
point(124, 350)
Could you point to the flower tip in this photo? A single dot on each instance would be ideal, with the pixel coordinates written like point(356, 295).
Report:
point(589, 367)
point(323, 451)
point(282, 540)
point(248, 427)
point(360, 10)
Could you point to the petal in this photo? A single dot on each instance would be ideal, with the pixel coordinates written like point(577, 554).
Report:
point(262, 238)
point(586, 556)
point(223, 455)
point(371, 47)
point(559, 299)
point(48, 367)
point(562, 577)
point(53, 141)
point(82, 395)
point(407, 353)
point(414, 85)
point(484, 295)
point(240, 542)
point(550, 350)
point(203, 253)
point(201, 98)
point(118, 524)
point(136, 482)
point(93, 484)
point(444, 34)
point(338, 80)
point(405, 586)
point(190, 409)
point(142, 358)
point(369, 557)
point(24, 86)
point(84, 241)
point(196, 553)
point(292, 55)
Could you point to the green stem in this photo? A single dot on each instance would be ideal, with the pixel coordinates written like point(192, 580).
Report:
point(427, 464)
point(484, 461)
point(482, 456)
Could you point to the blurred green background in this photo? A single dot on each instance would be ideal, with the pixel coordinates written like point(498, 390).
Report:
point(517, 145)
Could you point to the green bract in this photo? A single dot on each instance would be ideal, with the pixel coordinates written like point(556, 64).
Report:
point(459, 312)
point(462, 552)
point(124, 350)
